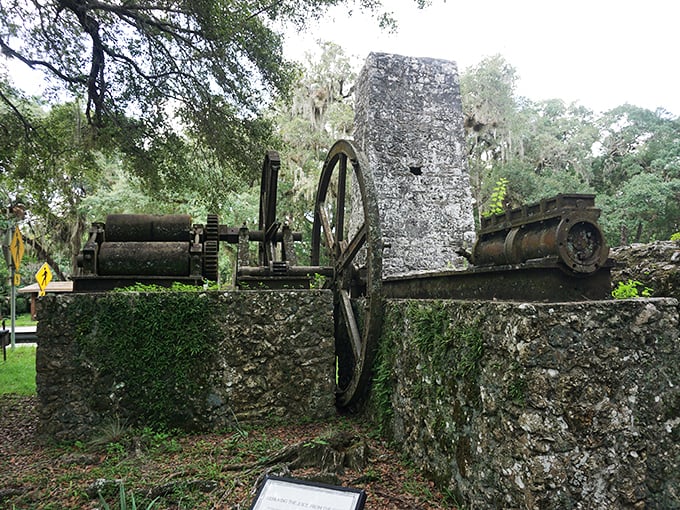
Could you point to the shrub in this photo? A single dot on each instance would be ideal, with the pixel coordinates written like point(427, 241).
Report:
point(497, 201)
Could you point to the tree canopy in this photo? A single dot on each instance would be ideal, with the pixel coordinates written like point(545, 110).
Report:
point(168, 96)
point(148, 71)
point(629, 156)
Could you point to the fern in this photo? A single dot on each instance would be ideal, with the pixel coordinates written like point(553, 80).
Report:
point(497, 200)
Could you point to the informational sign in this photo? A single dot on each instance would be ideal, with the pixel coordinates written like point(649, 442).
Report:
point(43, 277)
point(288, 494)
point(16, 247)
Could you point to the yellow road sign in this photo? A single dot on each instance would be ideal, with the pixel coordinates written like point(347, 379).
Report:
point(43, 277)
point(16, 247)
point(17, 279)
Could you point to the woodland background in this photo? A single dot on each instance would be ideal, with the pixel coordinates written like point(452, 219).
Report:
point(170, 107)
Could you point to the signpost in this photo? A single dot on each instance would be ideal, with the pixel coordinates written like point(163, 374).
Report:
point(43, 277)
point(16, 248)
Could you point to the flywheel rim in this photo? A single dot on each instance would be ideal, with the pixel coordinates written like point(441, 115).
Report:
point(357, 289)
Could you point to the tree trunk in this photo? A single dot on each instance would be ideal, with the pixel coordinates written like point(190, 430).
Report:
point(638, 234)
point(44, 255)
point(624, 235)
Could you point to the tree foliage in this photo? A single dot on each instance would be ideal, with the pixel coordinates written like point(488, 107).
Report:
point(207, 64)
point(150, 71)
point(47, 167)
point(167, 95)
point(629, 157)
point(318, 112)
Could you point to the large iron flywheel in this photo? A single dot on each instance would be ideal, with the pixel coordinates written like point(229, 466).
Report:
point(346, 235)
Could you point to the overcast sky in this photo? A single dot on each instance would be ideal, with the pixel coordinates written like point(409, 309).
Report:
point(600, 53)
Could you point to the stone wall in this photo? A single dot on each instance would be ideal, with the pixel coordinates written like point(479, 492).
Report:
point(654, 265)
point(195, 361)
point(409, 124)
point(537, 406)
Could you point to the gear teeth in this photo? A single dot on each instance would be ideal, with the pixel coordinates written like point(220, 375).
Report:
point(211, 246)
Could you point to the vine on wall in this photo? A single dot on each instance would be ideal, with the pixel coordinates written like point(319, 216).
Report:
point(155, 348)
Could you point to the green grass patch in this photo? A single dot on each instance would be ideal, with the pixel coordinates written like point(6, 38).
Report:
point(17, 374)
point(23, 320)
point(20, 320)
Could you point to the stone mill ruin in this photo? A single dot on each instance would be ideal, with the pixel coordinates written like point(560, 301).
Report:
point(511, 376)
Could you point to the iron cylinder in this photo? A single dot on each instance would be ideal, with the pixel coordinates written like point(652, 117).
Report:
point(144, 259)
point(148, 227)
point(573, 238)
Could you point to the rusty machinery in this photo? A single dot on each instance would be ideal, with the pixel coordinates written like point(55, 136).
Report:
point(553, 250)
point(162, 249)
point(550, 251)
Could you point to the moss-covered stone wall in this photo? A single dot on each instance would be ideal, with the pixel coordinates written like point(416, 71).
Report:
point(538, 406)
point(189, 360)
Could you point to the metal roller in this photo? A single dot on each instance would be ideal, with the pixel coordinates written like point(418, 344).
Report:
point(151, 249)
point(144, 258)
point(148, 227)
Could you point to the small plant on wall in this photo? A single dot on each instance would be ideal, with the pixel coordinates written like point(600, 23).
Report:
point(497, 201)
point(631, 289)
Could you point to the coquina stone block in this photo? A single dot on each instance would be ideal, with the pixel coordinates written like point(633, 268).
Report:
point(409, 124)
point(239, 358)
point(539, 406)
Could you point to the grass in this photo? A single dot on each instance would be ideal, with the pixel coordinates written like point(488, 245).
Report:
point(21, 320)
point(17, 374)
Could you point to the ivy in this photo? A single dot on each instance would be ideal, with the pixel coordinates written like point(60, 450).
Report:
point(383, 380)
point(454, 348)
point(447, 351)
point(154, 349)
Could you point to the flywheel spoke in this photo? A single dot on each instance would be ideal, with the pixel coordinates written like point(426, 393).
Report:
point(327, 229)
point(340, 200)
point(352, 326)
point(351, 250)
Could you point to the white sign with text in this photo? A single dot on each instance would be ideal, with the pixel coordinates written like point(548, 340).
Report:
point(286, 494)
